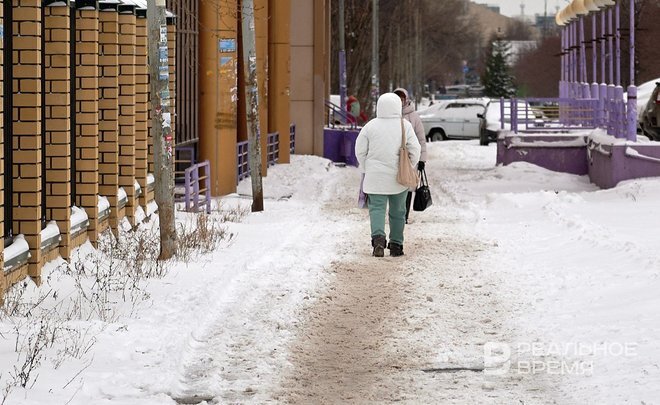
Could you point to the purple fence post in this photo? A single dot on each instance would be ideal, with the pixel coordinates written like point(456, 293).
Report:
point(501, 112)
point(187, 188)
point(207, 185)
point(514, 115)
point(196, 187)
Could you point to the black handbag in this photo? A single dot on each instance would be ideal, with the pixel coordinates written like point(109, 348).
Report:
point(422, 194)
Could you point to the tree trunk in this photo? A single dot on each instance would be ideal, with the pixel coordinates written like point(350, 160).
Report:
point(252, 103)
point(161, 122)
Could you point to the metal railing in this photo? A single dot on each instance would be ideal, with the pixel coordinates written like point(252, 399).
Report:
point(242, 166)
point(549, 114)
point(273, 148)
point(339, 117)
point(198, 187)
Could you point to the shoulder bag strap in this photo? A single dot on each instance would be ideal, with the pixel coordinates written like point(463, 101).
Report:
point(403, 136)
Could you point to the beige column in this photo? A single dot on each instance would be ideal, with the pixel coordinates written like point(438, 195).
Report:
point(57, 121)
point(279, 32)
point(109, 109)
point(27, 121)
point(87, 116)
point(308, 66)
point(261, 37)
point(218, 92)
point(127, 107)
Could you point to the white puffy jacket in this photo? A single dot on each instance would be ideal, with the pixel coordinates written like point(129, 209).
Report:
point(377, 147)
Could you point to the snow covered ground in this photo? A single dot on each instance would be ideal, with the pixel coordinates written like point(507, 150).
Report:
point(519, 285)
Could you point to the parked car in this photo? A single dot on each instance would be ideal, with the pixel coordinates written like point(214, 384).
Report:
point(649, 119)
point(454, 119)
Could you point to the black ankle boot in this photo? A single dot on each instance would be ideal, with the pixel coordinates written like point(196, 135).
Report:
point(378, 242)
point(395, 249)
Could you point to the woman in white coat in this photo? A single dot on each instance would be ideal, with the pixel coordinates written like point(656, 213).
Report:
point(377, 149)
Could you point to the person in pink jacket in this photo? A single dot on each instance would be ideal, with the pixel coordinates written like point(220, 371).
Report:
point(411, 115)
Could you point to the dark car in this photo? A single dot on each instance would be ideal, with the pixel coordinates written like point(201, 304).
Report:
point(650, 116)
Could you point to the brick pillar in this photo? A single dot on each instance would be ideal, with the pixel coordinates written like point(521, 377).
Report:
point(127, 108)
point(141, 105)
point(3, 284)
point(87, 117)
point(26, 113)
point(109, 108)
point(171, 54)
point(57, 122)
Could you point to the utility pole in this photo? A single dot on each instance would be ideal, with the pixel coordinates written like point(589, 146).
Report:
point(161, 126)
point(375, 61)
point(342, 58)
point(252, 103)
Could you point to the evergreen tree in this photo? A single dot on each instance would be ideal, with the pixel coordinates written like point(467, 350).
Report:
point(497, 79)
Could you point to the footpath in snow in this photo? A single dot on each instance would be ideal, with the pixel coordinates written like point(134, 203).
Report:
point(519, 285)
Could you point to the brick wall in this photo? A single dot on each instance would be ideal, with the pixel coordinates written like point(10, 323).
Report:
point(109, 110)
point(141, 106)
point(87, 117)
point(127, 108)
point(57, 123)
point(3, 284)
point(27, 127)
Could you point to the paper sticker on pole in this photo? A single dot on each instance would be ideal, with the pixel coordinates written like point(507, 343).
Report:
point(163, 34)
point(226, 45)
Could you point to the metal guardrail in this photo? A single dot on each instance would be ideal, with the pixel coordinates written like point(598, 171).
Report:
point(346, 119)
point(198, 187)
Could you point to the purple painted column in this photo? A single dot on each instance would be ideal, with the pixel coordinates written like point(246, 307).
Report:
point(603, 37)
point(620, 114)
point(583, 53)
point(610, 40)
point(602, 91)
point(609, 103)
point(594, 49)
point(631, 131)
point(617, 31)
point(594, 62)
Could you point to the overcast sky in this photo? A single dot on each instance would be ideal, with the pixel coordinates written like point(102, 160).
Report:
point(512, 7)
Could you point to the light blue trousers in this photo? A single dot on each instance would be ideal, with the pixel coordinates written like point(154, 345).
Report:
point(397, 214)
